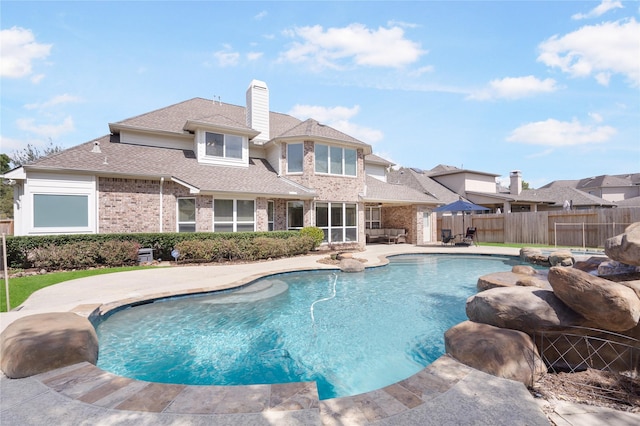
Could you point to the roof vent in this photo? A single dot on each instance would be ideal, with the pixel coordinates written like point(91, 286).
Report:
point(96, 148)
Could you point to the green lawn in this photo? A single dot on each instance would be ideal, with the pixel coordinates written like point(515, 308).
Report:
point(22, 287)
point(540, 246)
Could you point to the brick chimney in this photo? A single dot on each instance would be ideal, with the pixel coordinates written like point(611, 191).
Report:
point(515, 188)
point(258, 110)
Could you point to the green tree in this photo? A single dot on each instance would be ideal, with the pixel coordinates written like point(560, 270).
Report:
point(525, 185)
point(31, 153)
point(6, 190)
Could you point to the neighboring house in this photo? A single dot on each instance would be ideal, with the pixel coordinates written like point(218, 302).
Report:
point(613, 188)
point(207, 166)
point(449, 183)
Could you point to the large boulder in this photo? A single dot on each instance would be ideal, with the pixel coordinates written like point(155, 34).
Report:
point(526, 309)
point(520, 275)
point(591, 264)
point(625, 248)
point(611, 306)
point(39, 343)
point(504, 353)
point(533, 255)
point(351, 265)
point(561, 258)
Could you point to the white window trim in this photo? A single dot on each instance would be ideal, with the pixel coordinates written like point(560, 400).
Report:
point(49, 184)
point(287, 159)
point(344, 228)
point(201, 142)
point(344, 162)
point(195, 222)
point(234, 222)
point(370, 221)
point(295, 228)
point(271, 222)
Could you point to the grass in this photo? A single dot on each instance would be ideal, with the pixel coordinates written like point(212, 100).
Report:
point(540, 246)
point(20, 288)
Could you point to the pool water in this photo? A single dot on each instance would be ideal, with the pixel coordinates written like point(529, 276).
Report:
point(349, 332)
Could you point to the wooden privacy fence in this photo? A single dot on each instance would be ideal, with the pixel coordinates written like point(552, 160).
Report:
point(576, 228)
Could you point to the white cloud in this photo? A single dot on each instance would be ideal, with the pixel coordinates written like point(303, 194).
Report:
point(338, 118)
point(394, 23)
point(55, 101)
point(253, 56)
point(604, 49)
point(261, 15)
point(18, 49)
point(596, 117)
point(227, 57)
point(37, 78)
point(556, 133)
point(353, 45)
point(515, 88)
point(599, 10)
point(47, 130)
point(324, 114)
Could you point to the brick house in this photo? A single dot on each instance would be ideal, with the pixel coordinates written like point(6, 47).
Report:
point(207, 166)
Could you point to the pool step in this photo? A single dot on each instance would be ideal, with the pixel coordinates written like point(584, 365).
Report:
point(87, 383)
point(263, 289)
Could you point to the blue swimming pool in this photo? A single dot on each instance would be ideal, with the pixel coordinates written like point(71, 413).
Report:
point(351, 333)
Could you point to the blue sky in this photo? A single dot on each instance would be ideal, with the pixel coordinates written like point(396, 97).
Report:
point(551, 88)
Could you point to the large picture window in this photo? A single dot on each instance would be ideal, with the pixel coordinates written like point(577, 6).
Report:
point(335, 160)
point(186, 215)
point(294, 157)
point(338, 221)
point(295, 215)
point(53, 210)
point(223, 146)
point(233, 215)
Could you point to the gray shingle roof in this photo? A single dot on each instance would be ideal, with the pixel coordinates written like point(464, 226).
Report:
point(174, 117)
point(421, 181)
point(379, 191)
point(153, 162)
point(443, 169)
point(375, 159)
point(628, 179)
point(312, 128)
point(629, 202)
point(557, 195)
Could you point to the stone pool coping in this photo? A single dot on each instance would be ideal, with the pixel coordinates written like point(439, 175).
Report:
point(411, 398)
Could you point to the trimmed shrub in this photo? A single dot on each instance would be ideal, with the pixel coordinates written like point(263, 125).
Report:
point(315, 233)
point(260, 247)
point(23, 250)
point(118, 253)
point(84, 254)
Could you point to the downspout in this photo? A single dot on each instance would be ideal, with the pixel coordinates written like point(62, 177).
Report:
point(161, 192)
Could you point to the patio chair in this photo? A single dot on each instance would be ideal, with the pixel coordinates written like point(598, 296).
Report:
point(447, 236)
point(470, 236)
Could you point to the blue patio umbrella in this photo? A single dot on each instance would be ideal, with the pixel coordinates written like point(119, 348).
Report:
point(460, 206)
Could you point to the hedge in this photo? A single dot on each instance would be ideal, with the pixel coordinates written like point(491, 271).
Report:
point(23, 251)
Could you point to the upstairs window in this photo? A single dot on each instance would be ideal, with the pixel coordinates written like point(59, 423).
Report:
point(223, 146)
point(294, 158)
point(335, 160)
